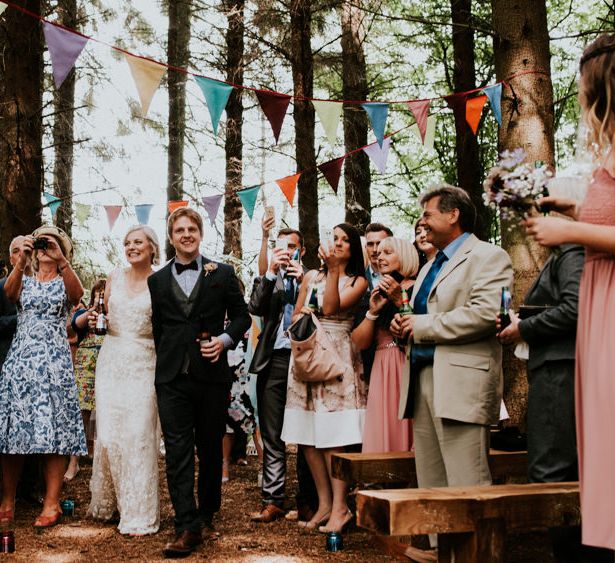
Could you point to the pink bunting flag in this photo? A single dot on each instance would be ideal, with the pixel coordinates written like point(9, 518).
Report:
point(274, 107)
point(113, 212)
point(64, 49)
point(332, 171)
point(420, 110)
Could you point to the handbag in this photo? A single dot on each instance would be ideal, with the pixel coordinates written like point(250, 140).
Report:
point(315, 358)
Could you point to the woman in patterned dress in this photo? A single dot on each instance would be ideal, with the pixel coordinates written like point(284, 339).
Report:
point(39, 409)
point(326, 417)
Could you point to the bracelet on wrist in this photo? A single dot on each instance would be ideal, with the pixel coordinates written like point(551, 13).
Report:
point(371, 317)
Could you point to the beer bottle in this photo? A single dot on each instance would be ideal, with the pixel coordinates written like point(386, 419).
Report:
point(313, 302)
point(505, 304)
point(405, 308)
point(101, 319)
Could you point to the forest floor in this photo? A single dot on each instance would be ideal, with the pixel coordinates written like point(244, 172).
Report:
point(81, 539)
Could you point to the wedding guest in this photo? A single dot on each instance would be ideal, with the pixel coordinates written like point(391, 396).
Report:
point(39, 409)
point(125, 467)
point(425, 249)
point(384, 430)
point(374, 233)
point(594, 228)
point(326, 417)
point(8, 311)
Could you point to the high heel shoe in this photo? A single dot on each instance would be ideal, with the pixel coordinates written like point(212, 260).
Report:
point(313, 524)
point(347, 523)
point(47, 521)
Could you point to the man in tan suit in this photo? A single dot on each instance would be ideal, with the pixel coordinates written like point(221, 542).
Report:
point(454, 388)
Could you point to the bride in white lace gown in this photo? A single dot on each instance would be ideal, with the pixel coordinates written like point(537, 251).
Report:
point(125, 468)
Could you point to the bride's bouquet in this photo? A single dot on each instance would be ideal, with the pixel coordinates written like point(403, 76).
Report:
point(513, 186)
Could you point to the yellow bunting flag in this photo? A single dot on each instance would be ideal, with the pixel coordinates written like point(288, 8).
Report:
point(430, 132)
point(176, 204)
point(288, 185)
point(329, 114)
point(2, 8)
point(147, 76)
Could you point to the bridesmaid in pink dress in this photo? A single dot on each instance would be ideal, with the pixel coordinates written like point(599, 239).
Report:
point(384, 431)
point(595, 228)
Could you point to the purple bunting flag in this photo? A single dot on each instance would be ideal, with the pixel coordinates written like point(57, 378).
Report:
point(211, 203)
point(64, 49)
point(379, 155)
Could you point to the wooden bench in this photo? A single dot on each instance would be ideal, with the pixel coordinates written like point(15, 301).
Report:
point(471, 522)
point(399, 467)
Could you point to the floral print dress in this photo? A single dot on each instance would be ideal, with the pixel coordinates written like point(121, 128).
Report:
point(39, 408)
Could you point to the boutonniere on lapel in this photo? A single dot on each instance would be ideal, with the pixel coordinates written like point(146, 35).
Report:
point(209, 268)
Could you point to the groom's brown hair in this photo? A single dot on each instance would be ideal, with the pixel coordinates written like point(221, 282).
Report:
point(184, 212)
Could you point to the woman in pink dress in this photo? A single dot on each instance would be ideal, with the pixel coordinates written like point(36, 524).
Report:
point(594, 228)
point(384, 431)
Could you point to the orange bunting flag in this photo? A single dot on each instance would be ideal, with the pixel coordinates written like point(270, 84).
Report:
point(474, 111)
point(288, 185)
point(176, 204)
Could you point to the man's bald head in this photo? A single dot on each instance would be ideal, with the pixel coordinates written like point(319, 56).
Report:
point(14, 248)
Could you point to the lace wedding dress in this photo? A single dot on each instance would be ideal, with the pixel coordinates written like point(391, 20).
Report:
point(125, 468)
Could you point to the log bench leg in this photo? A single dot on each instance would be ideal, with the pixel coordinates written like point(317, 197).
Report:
point(486, 543)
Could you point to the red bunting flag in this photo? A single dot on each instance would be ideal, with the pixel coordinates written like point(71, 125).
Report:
point(474, 111)
point(113, 212)
point(176, 204)
point(274, 107)
point(457, 102)
point(288, 185)
point(420, 110)
point(332, 171)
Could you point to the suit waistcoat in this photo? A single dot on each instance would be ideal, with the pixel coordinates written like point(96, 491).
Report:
point(186, 303)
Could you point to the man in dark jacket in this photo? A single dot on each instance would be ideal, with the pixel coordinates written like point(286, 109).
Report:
point(273, 298)
point(8, 311)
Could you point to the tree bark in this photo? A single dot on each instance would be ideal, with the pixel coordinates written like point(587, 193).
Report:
point(63, 130)
point(357, 176)
point(521, 43)
point(469, 166)
point(234, 117)
point(178, 55)
point(21, 161)
point(303, 80)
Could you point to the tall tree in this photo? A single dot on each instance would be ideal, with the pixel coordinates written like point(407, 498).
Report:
point(63, 129)
point(469, 168)
point(178, 55)
point(233, 145)
point(302, 63)
point(357, 176)
point(521, 45)
point(21, 162)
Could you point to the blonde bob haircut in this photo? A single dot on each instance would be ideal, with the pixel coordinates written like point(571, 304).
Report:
point(150, 235)
point(406, 252)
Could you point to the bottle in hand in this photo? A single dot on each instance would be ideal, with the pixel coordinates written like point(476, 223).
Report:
point(505, 304)
point(405, 308)
point(101, 309)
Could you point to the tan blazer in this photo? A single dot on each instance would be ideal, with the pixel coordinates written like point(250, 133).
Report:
point(462, 308)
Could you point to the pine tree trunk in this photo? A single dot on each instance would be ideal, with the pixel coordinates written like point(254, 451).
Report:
point(21, 161)
point(178, 55)
point(303, 81)
point(63, 130)
point(234, 117)
point(521, 44)
point(469, 169)
point(354, 79)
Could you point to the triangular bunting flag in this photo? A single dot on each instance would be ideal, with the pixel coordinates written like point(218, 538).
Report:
point(420, 110)
point(143, 211)
point(82, 212)
point(379, 155)
point(329, 114)
point(288, 185)
point(430, 132)
point(216, 96)
point(457, 102)
point(274, 107)
point(113, 212)
point(474, 110)
point(248, 199)
point(176, 204)
point(53, 203)
point(378, 113)
point(332, 171)
point(64, 49)
point(147, 76)
point(2, 8)
point(494, 93)
point(212, 204)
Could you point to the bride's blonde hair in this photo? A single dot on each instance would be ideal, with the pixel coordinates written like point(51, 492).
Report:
point(150, 235)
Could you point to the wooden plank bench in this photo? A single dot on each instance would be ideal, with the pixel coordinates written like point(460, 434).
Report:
point(471, 522)
point(399, 467)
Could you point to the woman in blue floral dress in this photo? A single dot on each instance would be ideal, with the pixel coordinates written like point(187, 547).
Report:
point(39, 408)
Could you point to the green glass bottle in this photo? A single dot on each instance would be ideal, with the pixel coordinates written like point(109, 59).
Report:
point(405, 308)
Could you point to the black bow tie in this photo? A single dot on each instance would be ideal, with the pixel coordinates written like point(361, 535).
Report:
point(181, 267)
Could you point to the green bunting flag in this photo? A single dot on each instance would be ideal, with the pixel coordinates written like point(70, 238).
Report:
point(248, 199)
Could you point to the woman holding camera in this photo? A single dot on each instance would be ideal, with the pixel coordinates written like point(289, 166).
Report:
point(39, 408)
point(384, 432)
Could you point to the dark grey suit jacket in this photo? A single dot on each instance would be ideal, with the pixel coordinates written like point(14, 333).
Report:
point(551, 334)
point(8, 323)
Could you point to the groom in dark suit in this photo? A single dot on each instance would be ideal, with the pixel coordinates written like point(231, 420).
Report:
point(191, 298)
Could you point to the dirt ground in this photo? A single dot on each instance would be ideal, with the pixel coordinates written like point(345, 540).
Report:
point(81, 539)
